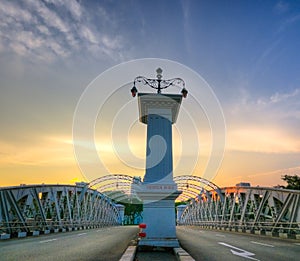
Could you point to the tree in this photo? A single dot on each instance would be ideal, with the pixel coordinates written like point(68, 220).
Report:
point(293, 182)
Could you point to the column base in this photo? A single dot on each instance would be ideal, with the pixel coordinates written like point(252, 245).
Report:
point(159, 215)
point(159, 242)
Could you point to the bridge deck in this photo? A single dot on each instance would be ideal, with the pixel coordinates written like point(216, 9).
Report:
point(95, 244)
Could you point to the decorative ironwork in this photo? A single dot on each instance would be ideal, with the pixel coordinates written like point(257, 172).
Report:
point(159, 83)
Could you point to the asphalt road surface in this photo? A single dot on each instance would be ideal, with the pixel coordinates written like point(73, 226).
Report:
point(95, 244)
point(213, 245)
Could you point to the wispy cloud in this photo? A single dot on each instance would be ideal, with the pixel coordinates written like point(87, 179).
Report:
point(53, 153)
point(53, 29)
point(281, 7)
point(265, 124)
point(288, 171)
point(288, 22)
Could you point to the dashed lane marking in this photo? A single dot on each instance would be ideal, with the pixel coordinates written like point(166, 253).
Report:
point(219, 235)
point(81, 234)
point(262, 244)
point(49, 240)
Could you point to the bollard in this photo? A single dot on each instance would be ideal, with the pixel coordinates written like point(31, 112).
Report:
point(141, 227)
point(142, 234)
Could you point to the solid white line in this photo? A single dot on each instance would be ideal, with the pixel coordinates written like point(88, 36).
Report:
point(262, 244)
point(49, 240)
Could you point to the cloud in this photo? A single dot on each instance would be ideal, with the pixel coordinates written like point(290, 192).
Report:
point(53, 30)
point(277, 97)
point(287, 171)
point(71, 5)
point(288, 22)
point(45, 152)
point(266, 124)
point(281, 7)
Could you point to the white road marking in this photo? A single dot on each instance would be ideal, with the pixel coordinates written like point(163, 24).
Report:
point(297, 244)
point(219, 235)
point(81, 234)
point(49, 240)
point(242, 252)
point(262, 244)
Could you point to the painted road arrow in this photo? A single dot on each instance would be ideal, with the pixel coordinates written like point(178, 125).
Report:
point(240, 252)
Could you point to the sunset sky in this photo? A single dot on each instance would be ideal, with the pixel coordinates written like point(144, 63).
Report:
point(247, 52)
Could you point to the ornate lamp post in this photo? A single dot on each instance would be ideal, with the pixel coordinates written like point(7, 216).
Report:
point(158, 189)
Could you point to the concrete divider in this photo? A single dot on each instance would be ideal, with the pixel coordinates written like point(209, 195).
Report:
point(35, 233)
point(4, 236)
point(22, 234)
point(283, 235)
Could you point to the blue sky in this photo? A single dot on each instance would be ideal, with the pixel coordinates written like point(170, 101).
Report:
point(248, 52)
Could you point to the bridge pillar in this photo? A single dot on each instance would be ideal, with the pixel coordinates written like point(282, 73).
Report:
point(158, 190)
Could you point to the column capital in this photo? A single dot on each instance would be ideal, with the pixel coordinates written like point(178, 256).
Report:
point(153, 103)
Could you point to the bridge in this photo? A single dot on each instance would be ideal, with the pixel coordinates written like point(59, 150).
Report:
point(32, 210)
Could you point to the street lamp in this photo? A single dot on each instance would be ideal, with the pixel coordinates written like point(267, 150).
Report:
point(158, 83)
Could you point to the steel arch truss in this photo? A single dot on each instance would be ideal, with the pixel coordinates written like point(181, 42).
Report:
point(267, 210)
point(193, 186)
point(118, 187)
point(50, 207)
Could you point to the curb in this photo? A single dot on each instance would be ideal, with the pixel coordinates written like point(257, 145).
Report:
point(255, 232)
point(129, 254)
point(35, 233)
point(182, 255)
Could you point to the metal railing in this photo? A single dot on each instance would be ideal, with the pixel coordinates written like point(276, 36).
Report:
point(54, 207)
point(253, 209)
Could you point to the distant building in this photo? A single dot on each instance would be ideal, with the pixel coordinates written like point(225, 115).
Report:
point(136, 182)
point(243, 184)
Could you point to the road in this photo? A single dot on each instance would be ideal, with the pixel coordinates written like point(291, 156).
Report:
point(95, 244)
point(213, 245)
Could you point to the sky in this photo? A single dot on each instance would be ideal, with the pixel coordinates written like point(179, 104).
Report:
point(246, 51)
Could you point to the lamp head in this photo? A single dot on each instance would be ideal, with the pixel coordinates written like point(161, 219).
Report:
point(133, 91)
point(184, 92)
point(159, 73)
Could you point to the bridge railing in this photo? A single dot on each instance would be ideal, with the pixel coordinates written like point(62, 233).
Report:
point(251, 227)
point(252, 209)
point(54, 207)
